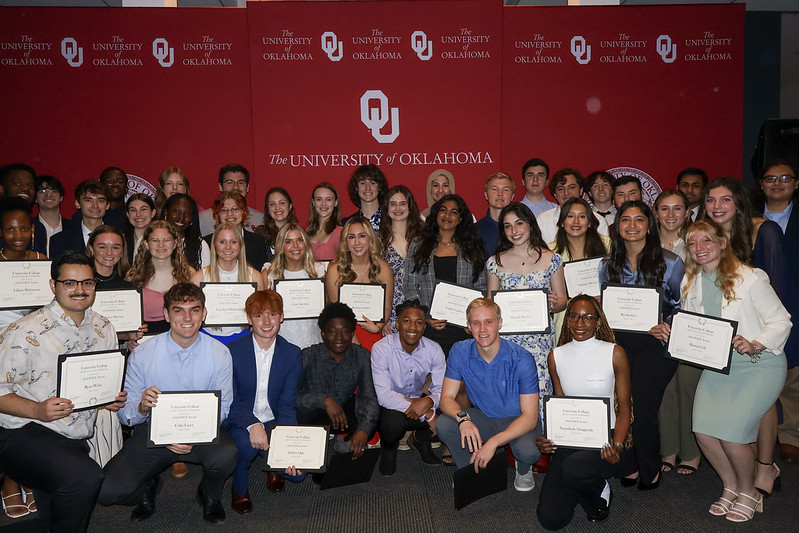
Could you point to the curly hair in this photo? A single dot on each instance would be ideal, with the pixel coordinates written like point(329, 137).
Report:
point(278, 266)
point(729, 263)
point(122, 267)
point(192, 245)
point(666, 194)
point(346, 273)
point(240, 202)
point(313, 217)
point(650, 261)
point(740, 238)
point(213, 266)
point(367, 172)
point(415, 222)
point(270, 228)
point(603, 331)
point(467, 241)
point(594, 246)
point(143, 270)
point(536, 242)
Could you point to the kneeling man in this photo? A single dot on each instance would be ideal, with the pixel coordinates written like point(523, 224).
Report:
point(180, 359)
point(502, 384)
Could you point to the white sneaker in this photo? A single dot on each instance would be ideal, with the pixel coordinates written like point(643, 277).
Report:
point(525, 482)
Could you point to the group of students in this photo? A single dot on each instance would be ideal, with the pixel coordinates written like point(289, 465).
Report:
point(727, 263)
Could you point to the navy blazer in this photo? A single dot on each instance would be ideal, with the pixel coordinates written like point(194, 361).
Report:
point(284, 379)
point(70, 238)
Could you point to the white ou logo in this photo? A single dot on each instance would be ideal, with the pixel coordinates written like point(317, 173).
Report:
point(332, 46)
point(421, 45)
point(580, 50)
point(72, 52)
point(163, 53)
point(375, 118)
point(666, 49)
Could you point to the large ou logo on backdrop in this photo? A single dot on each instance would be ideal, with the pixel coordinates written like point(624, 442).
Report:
point(375, 118)
point(581, 50)
point(667, 50)
point(72, 52)
point(330, 46)
point(163, 53)
point(421, 45)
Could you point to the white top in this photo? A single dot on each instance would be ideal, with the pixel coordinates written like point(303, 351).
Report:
point(548, 224)
point(303, 332)
point(263, 364)
point(586, 369)
point(51, 230)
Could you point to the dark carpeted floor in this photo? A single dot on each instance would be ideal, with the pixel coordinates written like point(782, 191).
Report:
point(418, 498)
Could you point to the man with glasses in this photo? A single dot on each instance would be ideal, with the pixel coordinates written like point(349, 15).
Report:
point(91, 198)
point(232, 177)
point(43, 441)
point(49, 195)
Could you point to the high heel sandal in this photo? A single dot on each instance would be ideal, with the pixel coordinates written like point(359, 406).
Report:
point(8, 506)
point(27, 497)
point(777, 480)
point(723, 506)
point(738, 515)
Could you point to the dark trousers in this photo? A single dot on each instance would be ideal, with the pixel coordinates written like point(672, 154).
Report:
point(574, 476)
point(129, 470)
point(394, 424)
point(319, 417)
point(650, 372)
point(65, 480)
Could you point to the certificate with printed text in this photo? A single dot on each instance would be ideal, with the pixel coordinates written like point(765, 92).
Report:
point(702, 340)
point(450, 302)
point(225, 303)
point(582, 276)
point(365, 299)
point(304, 447)
point(523, 311)
point(90, 380)
point(122, 307)
point(185, 417)
point(631, 308)
point(577, 422)
point(302, 298)
point(25, 284)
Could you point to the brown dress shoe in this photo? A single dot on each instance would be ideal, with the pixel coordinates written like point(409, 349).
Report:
point(275, 482)
point(789, 453)
point(241, 503)
point(179, 470)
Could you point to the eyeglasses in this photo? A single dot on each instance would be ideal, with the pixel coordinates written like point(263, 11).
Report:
point(165, 240)
point(785, 178)
point(234, 182)
point(47, 191)
point(227, 210)
point(587, 319)
point(72, 284)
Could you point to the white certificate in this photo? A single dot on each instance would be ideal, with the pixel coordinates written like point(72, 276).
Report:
point(523, 311)
point(577, 422)
point(122, 307)
point(582, 277)
point(91, 379)
point(225, 303)
point(702, 340)
point(25, 284)
point(450, 302)
point(302, 298)
point(302, 446)
point(365, 299)
point(631, 308)
point(185, 417)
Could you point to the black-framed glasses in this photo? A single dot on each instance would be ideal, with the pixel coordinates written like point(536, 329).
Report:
point(785, 178)
point(72, 284)
point(587, 319)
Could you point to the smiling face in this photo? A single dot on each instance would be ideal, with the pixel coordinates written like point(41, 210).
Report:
point(20, 183)
point(279, 207)
point(265, 327)
point(626, 193)
point(398, 207)
point(367, 190)
point(516, 230)
point(485, 326)
point(185, 320)
point(294, 247)
point(17, 231)
point(48, 197)
point(449, 216)
point(576, 221)
point(324, 201)
point(671, 212)
point(410, 326)
point(337, 336)
point(704, 250)
point(235, 181)
point(231, 212)
point(92, 206)
point(75, 301)
point(583, 320)
point(779, 191)
point(499, 193)
point(174, 184)
point(439, 187)
point(140, 214)
point(633, 225)
point(227, 246)
point(601, 191)
point(720, 206)
point(117, 183)
point(180, 214)
point(357, 241)
point(161, 244)
point(107, 249)
point(570, 188)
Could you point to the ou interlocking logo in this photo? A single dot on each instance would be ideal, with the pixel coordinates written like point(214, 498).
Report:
point(666, 49)
point(581, 50)
point(163, 52)
point(421, 45)
point(375, 118)
point(332, 46)
point(72, 52)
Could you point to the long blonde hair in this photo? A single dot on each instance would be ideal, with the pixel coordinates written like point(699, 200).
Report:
point(729, 265)
point(346, 273)
point(278, 266)
point(213, 266)
point(143, 269)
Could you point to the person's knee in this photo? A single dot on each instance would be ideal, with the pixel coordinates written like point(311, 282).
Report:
point(550, 520)
point(524, 449)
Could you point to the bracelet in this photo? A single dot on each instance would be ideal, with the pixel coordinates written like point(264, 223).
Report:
point(618, 445)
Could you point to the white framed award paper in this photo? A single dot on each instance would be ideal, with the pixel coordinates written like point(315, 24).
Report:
point(302, 298)
point(185, 417)
point(523, 311)
point(26, 284)
point(90, 380)
point(582, 277)
point(631, 308)
point(365, 299)
point(450, 302)
point(701, 340)
point(577, 422)
point(122, 307)
point(304, 447)
point(225, 303)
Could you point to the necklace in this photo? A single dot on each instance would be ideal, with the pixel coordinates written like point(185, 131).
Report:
point(445, 243)
point(4, 255)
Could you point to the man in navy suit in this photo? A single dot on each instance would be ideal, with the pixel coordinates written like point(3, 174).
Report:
point(91, 198)
point(266, 374)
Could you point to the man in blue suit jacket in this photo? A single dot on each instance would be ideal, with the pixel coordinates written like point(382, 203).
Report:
point(266, 374)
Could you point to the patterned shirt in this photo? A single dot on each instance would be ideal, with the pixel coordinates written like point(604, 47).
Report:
point(29, 350)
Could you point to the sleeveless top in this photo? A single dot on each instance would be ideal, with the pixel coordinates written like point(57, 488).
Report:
point(586, 369)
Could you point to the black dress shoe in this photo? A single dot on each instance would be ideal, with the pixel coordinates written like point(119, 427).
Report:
point(388, 461)
point(426, 453)
point(602, 511)
point(213, 511)
point(628, 481)
point(146, 506)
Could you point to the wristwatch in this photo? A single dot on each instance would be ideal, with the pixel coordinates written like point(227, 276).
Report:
point(462, 417)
